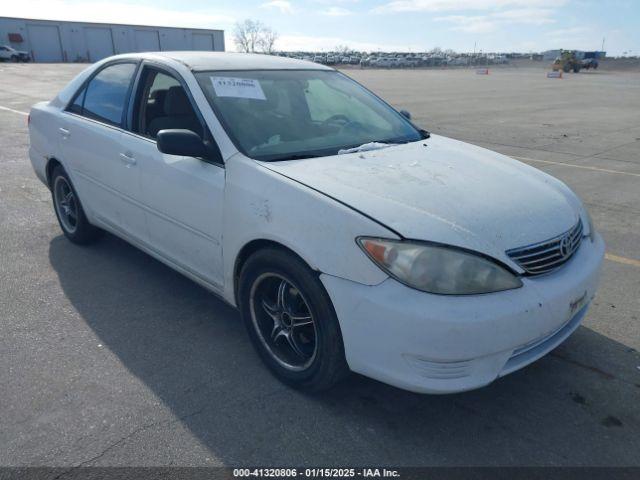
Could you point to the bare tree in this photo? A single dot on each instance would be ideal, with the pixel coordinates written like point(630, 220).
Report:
point(343, 49)
point(246, 35)
point(252, 35)
point(267, 40)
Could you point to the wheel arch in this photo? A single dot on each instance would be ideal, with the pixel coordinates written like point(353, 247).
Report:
point(254, 246)
point(51, 164)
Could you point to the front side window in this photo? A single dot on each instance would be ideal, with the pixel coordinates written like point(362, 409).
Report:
point(286, 114)
point(106, 94)
point(163, 104)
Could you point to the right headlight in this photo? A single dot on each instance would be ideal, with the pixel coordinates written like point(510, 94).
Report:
point(438, 269)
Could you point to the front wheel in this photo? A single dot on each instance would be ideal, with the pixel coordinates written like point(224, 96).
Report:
point(291, 321)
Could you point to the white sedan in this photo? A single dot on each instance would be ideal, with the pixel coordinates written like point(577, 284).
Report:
point(348, 238)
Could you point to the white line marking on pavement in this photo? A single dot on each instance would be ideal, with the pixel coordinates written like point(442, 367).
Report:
point(585, 167)
point(14, 111)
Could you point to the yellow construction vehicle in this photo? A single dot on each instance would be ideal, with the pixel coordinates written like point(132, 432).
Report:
point(567, 61)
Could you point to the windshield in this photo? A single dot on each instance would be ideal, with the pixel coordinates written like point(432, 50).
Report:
point(288, 114)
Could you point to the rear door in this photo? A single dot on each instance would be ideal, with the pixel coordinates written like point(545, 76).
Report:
point(92, 141)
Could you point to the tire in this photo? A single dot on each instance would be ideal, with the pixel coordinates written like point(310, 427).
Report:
point(14, 59)
point(71, 216)
point(311, 357)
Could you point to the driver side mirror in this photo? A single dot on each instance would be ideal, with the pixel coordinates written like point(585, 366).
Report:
point(181, 142)
point(405, 114)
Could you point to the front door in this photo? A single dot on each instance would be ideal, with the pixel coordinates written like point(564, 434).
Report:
point(183, 196)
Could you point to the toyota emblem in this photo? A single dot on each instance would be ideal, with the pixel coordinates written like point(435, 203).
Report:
point(564, 247)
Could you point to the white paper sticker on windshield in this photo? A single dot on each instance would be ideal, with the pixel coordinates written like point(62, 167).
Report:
point(237, 87)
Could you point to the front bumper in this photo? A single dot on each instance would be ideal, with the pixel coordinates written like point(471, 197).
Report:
point(441, 344)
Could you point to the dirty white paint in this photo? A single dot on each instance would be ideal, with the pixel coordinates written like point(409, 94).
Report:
point(446, 191)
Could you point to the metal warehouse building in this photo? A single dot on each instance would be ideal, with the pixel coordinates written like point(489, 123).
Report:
point(60, 41)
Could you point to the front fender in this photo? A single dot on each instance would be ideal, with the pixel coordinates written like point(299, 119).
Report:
point(261, 204)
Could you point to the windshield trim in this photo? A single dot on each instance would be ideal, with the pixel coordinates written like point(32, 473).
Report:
point(241, 149)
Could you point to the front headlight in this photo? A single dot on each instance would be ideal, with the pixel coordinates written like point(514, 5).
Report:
point(438, 269)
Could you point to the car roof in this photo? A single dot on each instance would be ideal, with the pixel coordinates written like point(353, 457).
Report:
point(202, 61)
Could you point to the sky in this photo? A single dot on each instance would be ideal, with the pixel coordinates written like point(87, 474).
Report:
point(372, 25)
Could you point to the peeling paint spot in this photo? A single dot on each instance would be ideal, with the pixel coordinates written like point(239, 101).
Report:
point(262, 209)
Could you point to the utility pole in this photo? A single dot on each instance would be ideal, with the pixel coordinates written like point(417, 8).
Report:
point(602, 50)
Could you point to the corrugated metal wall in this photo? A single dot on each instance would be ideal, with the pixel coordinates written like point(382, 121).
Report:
point(54, 41)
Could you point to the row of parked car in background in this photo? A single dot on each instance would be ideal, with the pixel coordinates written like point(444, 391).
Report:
point(376, 60)
point(399, 60)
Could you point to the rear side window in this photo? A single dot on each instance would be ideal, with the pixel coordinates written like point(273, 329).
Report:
point(105, 97)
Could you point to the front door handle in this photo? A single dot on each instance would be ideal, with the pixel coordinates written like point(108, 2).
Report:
point(64, 132)
point(127, 159)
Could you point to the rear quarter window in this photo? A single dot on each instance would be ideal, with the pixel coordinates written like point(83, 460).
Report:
point(105, 96)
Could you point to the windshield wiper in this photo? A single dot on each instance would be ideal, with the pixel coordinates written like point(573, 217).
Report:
point(365, 147)
point(296, 156)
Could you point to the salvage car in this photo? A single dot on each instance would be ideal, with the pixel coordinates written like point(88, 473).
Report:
point(348, 238)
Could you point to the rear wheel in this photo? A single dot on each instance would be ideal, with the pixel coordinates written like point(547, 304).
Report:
point(291, 321)
point(71, 216)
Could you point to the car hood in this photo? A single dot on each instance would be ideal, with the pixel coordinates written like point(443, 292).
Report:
point(445, 191)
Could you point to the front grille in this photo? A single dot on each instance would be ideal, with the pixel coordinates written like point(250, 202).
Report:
point(548, 255)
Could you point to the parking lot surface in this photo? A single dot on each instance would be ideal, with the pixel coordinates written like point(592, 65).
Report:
point(111, 358)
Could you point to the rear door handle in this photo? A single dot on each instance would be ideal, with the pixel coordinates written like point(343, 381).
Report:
point(64, 132)
point(127, 159)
